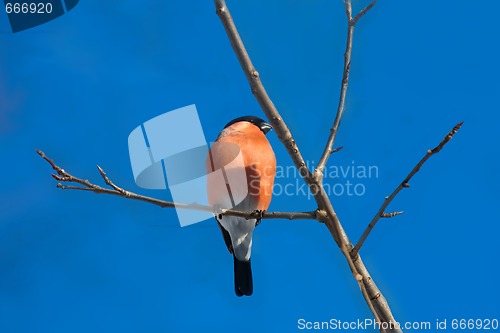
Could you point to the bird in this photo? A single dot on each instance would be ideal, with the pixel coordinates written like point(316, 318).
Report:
point(241, 146)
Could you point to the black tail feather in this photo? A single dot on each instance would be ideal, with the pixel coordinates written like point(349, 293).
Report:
point(243, 283)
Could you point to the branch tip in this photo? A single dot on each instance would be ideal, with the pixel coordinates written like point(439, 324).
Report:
point(446, 139)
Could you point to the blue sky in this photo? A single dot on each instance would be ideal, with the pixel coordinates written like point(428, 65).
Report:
point(77, 86)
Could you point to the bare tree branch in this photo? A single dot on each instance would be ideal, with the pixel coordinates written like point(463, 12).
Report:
point(351, 22)
point(65, 177)
point(371, 293)
point(325, 212)
point(404, 184)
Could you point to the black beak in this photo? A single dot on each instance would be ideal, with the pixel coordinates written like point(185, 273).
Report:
point(265, 127)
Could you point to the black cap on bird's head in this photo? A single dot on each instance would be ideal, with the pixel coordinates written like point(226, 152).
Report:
point(260, 123)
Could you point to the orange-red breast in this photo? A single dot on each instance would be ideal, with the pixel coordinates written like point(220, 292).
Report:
point(246, 135)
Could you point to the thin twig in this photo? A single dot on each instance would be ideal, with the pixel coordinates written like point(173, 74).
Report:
point(110, 183)
point(63, 176)
point(404, 184)
point(318, 173)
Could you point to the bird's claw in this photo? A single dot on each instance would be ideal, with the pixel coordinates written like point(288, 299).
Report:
point(218, 212)
point(259, 213)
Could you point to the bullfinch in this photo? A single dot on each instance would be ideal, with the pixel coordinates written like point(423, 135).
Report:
point(245, 137)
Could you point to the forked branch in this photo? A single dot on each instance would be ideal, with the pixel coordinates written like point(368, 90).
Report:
point(372, 295)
